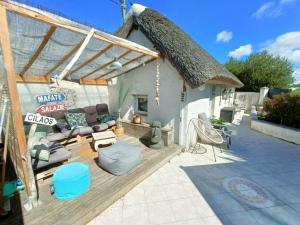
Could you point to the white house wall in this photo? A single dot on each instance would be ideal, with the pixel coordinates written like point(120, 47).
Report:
point(142, 81)
point(86, 95)
point(221, 102)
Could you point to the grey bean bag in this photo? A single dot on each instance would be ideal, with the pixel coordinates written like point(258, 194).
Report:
point(119, 158)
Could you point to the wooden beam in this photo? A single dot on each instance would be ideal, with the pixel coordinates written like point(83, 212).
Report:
point(125, 64)
point(39, 50)
point(97, 55)
point(33, 79)
point(145, 63)
point(55, 21)
point(64, 59)
point(107, 64)
point(93, 82)
point(13, 93)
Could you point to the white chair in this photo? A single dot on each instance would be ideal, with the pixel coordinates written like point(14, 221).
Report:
point(224, 131)
point(206, 135)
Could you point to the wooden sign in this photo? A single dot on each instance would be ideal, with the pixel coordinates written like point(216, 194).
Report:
point(50, 108)
point(39, 119)
point(53, 97)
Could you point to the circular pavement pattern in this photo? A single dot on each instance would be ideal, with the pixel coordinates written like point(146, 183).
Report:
point(248, 192)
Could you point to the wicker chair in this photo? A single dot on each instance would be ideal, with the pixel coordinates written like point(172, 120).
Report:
point(207, 135)
point(224, 131)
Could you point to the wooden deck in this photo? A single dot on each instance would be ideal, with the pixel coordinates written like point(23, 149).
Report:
point(105, 189)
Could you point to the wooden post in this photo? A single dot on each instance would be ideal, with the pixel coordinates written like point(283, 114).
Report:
point(13, 93)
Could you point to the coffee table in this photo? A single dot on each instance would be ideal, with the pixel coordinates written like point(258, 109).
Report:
point(103, 138)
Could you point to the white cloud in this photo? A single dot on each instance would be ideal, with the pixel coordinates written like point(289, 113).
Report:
point(224, 36)
point(283, 2)
point(243, 50)
point(272, 8)
point(286, 45)
point(263, 9)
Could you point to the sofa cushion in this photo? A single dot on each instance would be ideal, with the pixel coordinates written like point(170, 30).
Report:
point(60, 155)
point(55, 137)
point(41, 152)
point(104, 118)
point(59, 114)
point(76, 110)
point(100, 127)
point(111, 123)
point(85, 130)
point(76, 120)
point(62, 124)
point(90, 114)
point(70, 133)
point(102, 109)
point(90, 109)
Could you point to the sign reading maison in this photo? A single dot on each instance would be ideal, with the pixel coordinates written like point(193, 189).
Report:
point(39, 119)
point(43, 99)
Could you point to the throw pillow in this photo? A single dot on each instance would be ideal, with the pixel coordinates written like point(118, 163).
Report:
point(104, 118)
point(40, 152)
point(76, 120)
point(62, 124)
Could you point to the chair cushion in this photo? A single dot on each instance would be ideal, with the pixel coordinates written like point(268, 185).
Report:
point(76, 120)
point(100, 127)
point(119, 158)
point(102, 109)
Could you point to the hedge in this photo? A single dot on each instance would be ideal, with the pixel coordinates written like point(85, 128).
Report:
point(283, 109)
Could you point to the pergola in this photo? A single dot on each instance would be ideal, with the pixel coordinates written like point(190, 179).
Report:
point(36, 45)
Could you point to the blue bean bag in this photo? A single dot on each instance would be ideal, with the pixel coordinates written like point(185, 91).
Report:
point(119, 158)
point(71, 181)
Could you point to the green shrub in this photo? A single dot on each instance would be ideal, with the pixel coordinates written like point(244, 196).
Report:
point(284, 110)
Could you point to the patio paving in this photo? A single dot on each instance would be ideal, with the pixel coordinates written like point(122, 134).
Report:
point(256, 182)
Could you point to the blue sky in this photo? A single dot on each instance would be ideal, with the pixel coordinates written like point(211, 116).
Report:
point(244, 27)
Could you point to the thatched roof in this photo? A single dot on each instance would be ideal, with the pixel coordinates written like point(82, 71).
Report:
point(194, 64)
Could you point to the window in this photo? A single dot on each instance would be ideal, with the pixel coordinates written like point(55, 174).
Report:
point(142, 104)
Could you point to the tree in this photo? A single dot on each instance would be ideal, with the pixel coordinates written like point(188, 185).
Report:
point(262, 70)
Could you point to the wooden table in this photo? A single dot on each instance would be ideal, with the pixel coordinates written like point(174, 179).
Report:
point(103, 138)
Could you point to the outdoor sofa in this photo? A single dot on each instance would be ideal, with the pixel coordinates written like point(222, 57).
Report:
point(67, 135)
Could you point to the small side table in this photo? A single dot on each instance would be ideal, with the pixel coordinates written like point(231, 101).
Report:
point(103, 138)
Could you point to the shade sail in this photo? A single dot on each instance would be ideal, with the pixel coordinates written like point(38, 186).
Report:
point(44, 43)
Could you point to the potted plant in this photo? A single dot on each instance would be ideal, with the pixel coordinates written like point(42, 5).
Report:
point(123, 93)
point(136, 119)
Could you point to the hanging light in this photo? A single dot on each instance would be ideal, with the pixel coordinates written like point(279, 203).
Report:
point(115, 65)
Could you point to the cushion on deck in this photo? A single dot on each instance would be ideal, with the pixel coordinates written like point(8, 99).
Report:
point(71, 181)
point(119, 158)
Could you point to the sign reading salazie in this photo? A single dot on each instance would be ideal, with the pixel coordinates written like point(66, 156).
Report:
point(39, 119)
point(50, 108)
point(43, 99)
